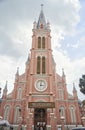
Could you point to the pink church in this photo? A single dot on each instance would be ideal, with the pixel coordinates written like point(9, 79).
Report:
point(40, 98)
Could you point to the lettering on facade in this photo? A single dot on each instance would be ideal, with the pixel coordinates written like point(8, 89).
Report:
point(41, 105)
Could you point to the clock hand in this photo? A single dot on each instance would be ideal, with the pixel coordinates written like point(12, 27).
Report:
point(40, 83)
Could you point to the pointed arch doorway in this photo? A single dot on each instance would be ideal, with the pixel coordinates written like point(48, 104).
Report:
point(40, 118)
point(40, 113)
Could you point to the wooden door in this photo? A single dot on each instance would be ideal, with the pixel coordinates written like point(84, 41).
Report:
point(40, 119)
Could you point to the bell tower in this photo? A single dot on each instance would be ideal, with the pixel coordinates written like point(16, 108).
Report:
point(41, 46)
point(41, 60)
point(40, 71)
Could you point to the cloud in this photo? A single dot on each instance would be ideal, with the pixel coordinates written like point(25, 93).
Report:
point(80, 43)
point(73, 69)
point(8, 69)
point(66, 15)
point(14, 44)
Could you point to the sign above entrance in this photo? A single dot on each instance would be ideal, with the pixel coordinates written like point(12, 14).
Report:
point(41, 104)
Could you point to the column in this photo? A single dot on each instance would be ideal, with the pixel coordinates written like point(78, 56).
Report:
point(53, 122)
point(48, 116)
point(62, 122)
point(20, 123)
point(30, 121)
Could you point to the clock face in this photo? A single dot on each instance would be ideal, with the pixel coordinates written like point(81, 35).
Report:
point(41, 85)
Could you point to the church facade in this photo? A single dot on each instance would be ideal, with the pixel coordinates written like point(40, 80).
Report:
point(40, 96)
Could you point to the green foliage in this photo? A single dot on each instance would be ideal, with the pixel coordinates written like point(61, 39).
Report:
point(82, 84)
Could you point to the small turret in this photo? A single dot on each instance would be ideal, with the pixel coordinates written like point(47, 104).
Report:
point(27, 62)
point(34, 25)
point(17, 75)
point(48, 25)
point(28, 59)
point(74, 91)
point(5, 91)
point(63, 76)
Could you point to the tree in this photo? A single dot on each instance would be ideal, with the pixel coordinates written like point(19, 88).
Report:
point(82, 84)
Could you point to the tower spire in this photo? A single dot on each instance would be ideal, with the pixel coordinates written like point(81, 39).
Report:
point(5, 90)
point(42, 6)
point(41, 21)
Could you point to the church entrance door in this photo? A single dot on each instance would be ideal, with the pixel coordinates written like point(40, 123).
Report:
point(40, 118)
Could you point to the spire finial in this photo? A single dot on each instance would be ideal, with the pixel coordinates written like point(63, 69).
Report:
point(42, 6)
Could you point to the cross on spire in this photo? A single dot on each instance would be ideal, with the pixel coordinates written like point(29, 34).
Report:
point(41, 20)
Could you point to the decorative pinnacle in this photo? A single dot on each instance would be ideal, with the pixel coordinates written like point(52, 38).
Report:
point(6, 85)
point(63, 72)
point(73, 84)
point(17, 70)
point(74, 88)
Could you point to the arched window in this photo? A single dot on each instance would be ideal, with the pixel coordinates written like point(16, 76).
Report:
point(43, 65)
point(19, 93)
point(43, 42)
point(16, 114)
point(61, 94)
point(39, 42)
point(6, 112)
point(62, 111)
point(72, 113)
point(38, 64)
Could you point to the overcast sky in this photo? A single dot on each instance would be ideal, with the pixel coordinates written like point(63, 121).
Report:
point(67, 20)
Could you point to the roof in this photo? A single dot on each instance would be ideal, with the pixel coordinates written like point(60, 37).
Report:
point(41, 20)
